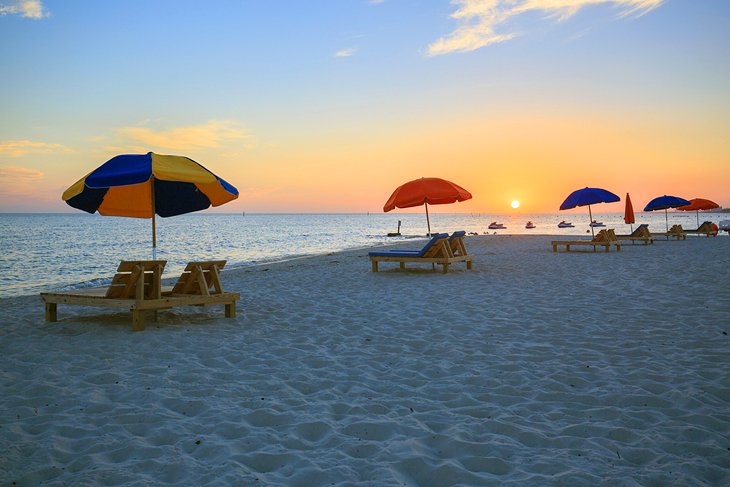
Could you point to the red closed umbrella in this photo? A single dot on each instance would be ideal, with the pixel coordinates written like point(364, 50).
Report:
point(697, 204)
point(629, 212)
point(435, 191)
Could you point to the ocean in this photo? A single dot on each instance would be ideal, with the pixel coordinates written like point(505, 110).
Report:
point(44, 252)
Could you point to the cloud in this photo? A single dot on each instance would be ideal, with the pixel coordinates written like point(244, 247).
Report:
point(212, 134)
point(18, 181)
point(345, 52)
point(478, 19)
point(19, 148)
point(32, 9)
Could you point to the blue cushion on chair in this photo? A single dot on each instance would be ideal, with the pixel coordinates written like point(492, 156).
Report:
point(409, 253)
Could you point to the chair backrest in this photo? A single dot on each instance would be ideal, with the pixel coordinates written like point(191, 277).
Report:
point(137, 279)
point(706, 227)
point(676, 229)
point(200, 278)
point(641, 231)
point(611, 235)
point(436, 247)
point(601, 236)
point(456, 242)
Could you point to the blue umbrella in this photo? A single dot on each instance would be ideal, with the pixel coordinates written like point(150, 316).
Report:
point(588, 197)
point(664, 203)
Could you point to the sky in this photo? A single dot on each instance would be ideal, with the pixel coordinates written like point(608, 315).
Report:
point(328, 105)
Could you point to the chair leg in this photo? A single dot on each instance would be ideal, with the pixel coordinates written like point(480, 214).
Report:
point(231, 309)
point(51, 312)
point(137, 320)
point(374, 265)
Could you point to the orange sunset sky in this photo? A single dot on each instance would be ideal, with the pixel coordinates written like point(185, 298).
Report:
point(328, 107)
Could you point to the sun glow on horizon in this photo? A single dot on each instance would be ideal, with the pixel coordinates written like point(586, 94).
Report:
point(515, 204)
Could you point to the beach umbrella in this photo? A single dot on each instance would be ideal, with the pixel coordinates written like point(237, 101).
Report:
point(664, 203)
point(629, 213)
point(145, 185)
point(697, 204)
point(425, 191)
point(588, 197)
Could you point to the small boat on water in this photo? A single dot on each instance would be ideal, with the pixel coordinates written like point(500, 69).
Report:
point(530, 225)
point(564, 224)
point(496, 226)
point(594, 223)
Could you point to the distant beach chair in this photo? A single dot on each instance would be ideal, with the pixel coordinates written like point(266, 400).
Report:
point(605, 238)
point(436, 251)
point(676, 231)
point(640, 234)
point(137, 287)
point(706, 228)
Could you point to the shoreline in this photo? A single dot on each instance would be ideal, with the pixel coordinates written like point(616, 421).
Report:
point(533, 368)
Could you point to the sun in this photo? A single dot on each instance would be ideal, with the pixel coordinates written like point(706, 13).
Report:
point(515, 204)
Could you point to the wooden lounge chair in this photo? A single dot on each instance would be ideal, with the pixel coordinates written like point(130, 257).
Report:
point(458, 249)
point(640, 234)
point(704, 229)
point(676, 232)
point(137, 287)
point(436, 251)
point(605, 238)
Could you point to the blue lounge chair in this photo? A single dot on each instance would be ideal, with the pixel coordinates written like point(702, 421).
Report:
point(436, 251)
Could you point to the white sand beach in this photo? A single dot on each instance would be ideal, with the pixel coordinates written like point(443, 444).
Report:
point(534, 368)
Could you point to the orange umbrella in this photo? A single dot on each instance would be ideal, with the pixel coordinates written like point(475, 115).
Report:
point(697, 204)
point(435, 191)
point(629, 212)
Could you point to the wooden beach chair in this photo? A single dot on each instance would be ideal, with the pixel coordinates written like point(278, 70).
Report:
point(436, 251)
point(137, 287)
point(605, 238)
point(676, 232)
point(640, 234)
point(458, 249)
point(704, 229)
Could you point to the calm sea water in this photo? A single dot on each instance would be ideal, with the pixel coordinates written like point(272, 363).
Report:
point(41, 252)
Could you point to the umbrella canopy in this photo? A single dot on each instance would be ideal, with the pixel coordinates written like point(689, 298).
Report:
point(629, 212)
point(145, 185)
point(664, 203)
point(435, 191)
point(697, 204)
point(587, 197)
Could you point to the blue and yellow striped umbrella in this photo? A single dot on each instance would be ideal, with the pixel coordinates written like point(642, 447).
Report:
point(145, 185)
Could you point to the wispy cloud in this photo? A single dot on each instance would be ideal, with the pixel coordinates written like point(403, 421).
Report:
point(18, 181)
point(478, 19)
point(345, 52)
point(32, 9)
point(212, 134)
point(19, 148)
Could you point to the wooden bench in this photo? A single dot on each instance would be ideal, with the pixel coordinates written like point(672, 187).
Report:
point(137, 287)
point(641, 234)
point(601, 239)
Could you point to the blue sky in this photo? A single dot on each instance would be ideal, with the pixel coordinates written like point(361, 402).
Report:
point(289, 98)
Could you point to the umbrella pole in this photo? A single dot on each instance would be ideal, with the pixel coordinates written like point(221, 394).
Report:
point(428, 221)
point(698, 218)
point(154, 226)
point(666, 220)
point(590, 215)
